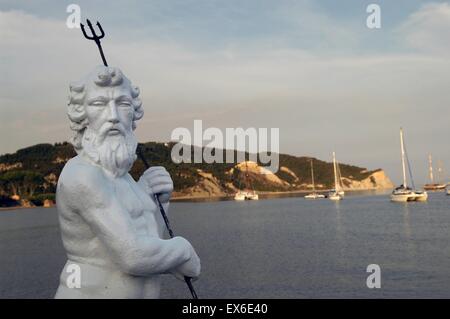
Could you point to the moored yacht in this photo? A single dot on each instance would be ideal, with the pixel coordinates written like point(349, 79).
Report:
point(340, 189)
point(406, 194)
point(335, 193)
point(403, 193)
point(314, 194)
point(433, 186)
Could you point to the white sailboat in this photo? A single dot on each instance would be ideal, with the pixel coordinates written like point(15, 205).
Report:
point(334, 193)
point(403, 193)
point(340, 188)
point(314, 194)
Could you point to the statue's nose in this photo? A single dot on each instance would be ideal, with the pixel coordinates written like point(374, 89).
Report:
point(113, 116)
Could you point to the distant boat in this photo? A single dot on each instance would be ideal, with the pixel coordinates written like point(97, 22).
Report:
point(249, 194)
point(403, 193)
point(434, 186)
point(335, 193)
point(314, 194)
point(340, 186)
point(243, 195)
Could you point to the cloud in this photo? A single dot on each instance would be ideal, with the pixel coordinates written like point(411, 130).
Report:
point(427, 29)
point(320, 101)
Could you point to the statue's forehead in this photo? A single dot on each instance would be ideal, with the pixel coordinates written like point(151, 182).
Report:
point(108, 91)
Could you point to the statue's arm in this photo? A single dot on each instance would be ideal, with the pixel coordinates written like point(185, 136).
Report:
point(89, 193)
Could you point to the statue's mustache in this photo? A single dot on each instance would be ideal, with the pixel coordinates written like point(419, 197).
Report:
point(105, 128)
point(116, 155)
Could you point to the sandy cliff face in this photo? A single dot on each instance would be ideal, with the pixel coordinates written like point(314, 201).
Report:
point(377, 180)
point(209, 186)
point(257, 172)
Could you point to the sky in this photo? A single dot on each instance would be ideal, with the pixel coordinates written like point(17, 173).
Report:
point(310, 68)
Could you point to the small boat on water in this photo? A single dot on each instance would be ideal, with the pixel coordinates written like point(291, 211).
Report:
point(314, 194)
point(403, 193)
point(433, 186)
point(244, 195)
point(336, 193)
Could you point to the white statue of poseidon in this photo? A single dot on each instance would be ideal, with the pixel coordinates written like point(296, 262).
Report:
point(110, 225)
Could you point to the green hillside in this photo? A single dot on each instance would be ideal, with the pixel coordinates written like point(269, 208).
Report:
point(32, 172)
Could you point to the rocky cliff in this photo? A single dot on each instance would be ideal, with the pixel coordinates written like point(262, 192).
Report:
point(376, 180)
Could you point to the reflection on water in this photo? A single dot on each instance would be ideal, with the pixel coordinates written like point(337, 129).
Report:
point(340, 235)
point(406, 222)
point(410, 243)
point(339, 229)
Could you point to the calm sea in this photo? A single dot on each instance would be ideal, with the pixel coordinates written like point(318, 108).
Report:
point(273, 248)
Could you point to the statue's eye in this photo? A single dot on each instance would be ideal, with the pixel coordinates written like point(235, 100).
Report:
point(98, 103)
point(124, 103)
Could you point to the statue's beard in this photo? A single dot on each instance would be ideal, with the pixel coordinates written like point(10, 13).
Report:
point(115, 153)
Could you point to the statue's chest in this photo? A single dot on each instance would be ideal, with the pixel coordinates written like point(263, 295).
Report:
point(139, 206)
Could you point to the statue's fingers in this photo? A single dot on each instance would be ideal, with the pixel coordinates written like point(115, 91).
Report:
point(156, 173)
point(167, 185)
point(159, 174)
point(154, 168)
point(159, 180)
point(164, 188)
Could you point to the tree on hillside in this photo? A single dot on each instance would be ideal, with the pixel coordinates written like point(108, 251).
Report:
point(21, 182)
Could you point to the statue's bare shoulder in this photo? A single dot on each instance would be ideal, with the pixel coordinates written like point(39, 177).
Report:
point(81, 179)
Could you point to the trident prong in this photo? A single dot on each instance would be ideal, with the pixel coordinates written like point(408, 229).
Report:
point(95, 37)
point(101, 30)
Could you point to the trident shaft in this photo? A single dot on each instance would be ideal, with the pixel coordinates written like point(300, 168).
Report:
point(166, 221)
point(95, 37)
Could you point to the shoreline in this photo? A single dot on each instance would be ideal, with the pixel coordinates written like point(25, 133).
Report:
point(267, 195)
point(228, 197)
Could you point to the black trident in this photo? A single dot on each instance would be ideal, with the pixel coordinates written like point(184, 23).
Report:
point(97, 38)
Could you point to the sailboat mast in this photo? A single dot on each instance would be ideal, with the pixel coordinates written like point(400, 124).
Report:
point(335, 171)
point(431, 168)
point(339, 175)
point(440, 172)
point(403, 157)
point(312, 176)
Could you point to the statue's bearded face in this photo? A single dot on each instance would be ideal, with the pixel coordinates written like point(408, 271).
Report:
point(109, 110)
point(109, 139)
point(103, 109)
